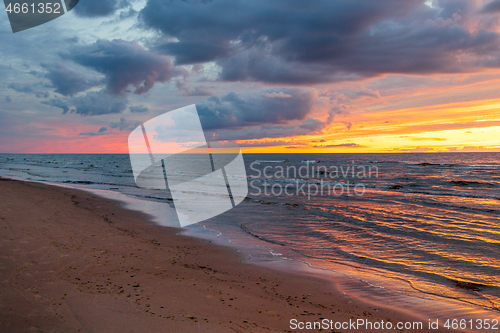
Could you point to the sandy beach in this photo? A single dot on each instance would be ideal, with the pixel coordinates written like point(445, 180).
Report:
point(74, 262)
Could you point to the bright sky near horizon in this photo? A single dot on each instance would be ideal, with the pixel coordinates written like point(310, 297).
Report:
point(273, 76)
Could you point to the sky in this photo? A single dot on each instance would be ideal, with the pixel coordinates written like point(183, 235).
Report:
point(281, 76)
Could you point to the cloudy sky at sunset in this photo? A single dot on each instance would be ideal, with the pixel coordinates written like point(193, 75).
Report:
point(273, 76)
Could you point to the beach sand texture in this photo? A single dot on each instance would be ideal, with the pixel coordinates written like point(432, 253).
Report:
point(74, 262)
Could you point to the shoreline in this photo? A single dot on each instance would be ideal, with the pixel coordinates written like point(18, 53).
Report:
point(355, 286)
point(74, 261)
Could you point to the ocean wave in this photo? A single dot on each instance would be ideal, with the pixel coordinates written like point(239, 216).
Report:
point(265, 161)
point(468, 285)
point(472, 183)
point(248, 231)
point(437, 165)
point(454, 194)
point(157, 198)
point(83, 182)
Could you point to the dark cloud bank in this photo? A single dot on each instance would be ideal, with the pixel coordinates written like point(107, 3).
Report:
point(297, 42)
point(66, 81)
point(289, 42)
point(268, 113)
point(255, 108)
point(125, 64)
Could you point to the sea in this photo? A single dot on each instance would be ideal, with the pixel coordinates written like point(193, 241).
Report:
point(420, 225)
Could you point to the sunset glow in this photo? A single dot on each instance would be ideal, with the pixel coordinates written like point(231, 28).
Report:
point(383, 94)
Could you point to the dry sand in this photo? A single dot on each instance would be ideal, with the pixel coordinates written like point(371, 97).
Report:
point(74, 262)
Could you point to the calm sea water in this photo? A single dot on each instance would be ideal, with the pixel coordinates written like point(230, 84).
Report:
point(424, 224)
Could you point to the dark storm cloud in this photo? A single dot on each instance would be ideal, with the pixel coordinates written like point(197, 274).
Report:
point(257, 64)
point(125, 64)
point(66, 81)
point(255, 108)
point(269, 113)
point(206, 21)
point(194, 52)
point(58, 104)
point(297, 42)
point(425, 49)
point(99, 8)
point(103, 129)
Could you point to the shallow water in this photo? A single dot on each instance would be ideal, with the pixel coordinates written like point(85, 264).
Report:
point(421, 224)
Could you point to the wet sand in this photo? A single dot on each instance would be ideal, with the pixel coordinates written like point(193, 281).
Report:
point(74, 262)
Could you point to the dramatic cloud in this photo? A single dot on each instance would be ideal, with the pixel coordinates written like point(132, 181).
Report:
point(58, 104)
point(189, 52)
point(99, 8)
point(287, 58)
point(125, 64)
point(255, 108)
point(322, 40)
point(268, 113)
point(67, 81)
